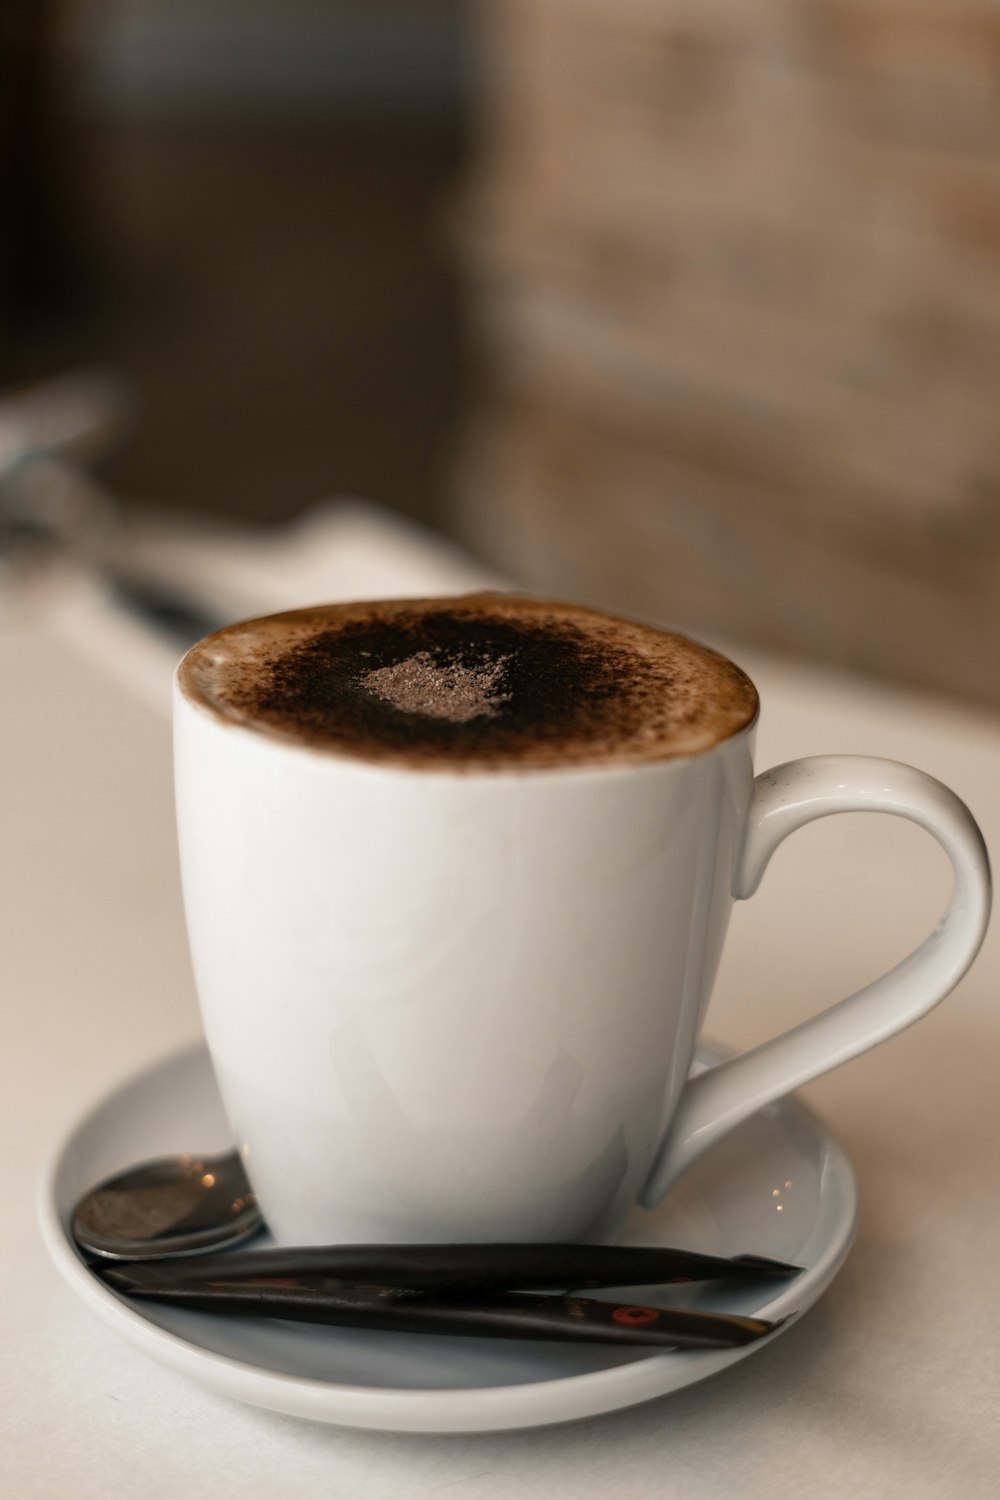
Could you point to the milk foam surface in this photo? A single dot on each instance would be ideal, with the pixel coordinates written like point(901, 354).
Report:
point(485, 681)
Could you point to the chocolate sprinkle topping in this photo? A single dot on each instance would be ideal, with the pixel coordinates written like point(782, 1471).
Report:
point(444, 690)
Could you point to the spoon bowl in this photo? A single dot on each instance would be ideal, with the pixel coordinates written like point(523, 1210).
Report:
point(174, 1205)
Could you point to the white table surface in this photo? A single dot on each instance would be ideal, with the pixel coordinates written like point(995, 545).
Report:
point(889, 1387)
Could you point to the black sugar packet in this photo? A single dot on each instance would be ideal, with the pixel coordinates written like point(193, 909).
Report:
point(458, 1289)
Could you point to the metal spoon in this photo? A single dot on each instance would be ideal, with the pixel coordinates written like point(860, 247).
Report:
point(175, 1205)
point(180, 1205)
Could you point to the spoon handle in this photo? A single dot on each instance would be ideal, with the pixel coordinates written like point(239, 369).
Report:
point(502, 1266)
point(503, 1315)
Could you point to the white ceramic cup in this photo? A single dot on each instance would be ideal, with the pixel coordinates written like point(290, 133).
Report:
point(464, 1005)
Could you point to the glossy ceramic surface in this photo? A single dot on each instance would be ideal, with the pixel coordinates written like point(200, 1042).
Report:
point(450, 1005)
point(777, 1185)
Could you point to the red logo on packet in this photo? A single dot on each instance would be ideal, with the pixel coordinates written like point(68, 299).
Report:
point(634, 1315)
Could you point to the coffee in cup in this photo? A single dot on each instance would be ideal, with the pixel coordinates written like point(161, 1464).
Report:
point(486, 681)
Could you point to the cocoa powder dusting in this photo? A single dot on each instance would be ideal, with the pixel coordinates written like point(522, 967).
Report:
point(441, 690)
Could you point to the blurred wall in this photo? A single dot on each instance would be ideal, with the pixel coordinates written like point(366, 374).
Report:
point(735, 272)
point(372, 54)
point(732, 269)
point(236, 202)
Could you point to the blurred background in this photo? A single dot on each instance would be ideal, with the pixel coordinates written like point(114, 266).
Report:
point(685, 307)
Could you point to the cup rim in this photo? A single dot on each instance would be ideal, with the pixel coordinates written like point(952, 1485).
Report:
point(187, 694)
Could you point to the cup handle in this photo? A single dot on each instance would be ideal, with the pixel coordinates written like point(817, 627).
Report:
point(784, 799)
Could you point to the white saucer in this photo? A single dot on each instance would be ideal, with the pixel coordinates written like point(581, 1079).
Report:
point(778, 1185)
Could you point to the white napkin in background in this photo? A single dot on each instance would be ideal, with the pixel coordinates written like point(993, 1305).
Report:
point(346, 549)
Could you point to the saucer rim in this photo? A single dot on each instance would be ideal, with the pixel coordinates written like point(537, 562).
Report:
point(456, 1409)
